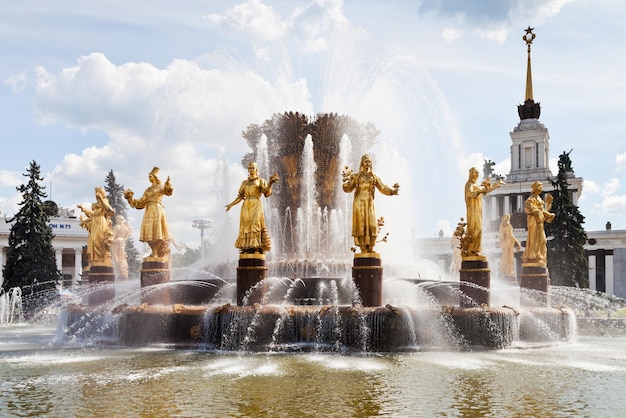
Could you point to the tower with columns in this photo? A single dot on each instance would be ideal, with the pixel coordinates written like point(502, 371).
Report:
point(530, 158)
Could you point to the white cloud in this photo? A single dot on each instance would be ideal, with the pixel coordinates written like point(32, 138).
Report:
point(310, 26)
point(494, 20)
point(450, 34)
point(18, 82)
point(475, 160)
point(255, 18)
point(182, 101)
point(591, 187)
point(620, 161)
point(10, 178)
point(610, 187)
point(316, 23)
point(614, 204)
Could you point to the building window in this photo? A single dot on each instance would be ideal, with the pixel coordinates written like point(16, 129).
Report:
point(537, 155)
point(528, 157)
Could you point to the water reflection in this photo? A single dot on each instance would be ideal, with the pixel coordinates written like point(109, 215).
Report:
point(39, 378)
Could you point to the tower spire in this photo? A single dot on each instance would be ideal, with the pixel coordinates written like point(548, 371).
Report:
point(528, 38)
point(530, 109)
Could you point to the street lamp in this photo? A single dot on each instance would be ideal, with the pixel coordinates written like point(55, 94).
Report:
point(202, 224)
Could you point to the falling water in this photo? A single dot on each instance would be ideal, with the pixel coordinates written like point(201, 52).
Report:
point(342, 227)
point(262, 159)
point(308, 228)
point(10, 305)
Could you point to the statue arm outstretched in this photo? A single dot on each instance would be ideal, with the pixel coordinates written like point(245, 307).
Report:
point(386, 190)
point(167, 187)
point(86, 211)
point(134, 203)
point(267, 186)
point(239, 198)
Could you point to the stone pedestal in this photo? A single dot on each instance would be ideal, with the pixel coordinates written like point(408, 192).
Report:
point(85, 276)
point(535, 278)
point(367, 272)
point(155, 272)
point(475, 278)
point(250, 272)
point(101, 274)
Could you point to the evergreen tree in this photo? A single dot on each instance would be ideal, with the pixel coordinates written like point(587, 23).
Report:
point(31, 260)
point(115, 194)
point(566, 255)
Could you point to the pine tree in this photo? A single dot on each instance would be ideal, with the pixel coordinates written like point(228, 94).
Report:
point(31, 260)
point(566, 254)
point(115, 194)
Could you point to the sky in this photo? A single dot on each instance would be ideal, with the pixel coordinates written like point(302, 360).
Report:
point(89, 87)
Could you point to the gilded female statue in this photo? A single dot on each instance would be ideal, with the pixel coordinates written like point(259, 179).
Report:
point(121, 234)
point(474, 192)
point(364, 183)
point(154, 229)
point(537, 212)
point(253, 236)
point(98, 223)
point(508, 244)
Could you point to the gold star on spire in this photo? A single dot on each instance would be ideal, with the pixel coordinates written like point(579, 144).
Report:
point(529, 36)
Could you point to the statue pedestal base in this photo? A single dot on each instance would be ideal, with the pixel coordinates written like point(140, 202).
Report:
point(250, 272)
point(367, 272)
point(155, 273)
point(535, 279)
point(101, 274)
point(475, 278)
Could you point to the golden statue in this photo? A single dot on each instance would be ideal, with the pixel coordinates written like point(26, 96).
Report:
point(364, 223)
point(121, 234)
point(98, 223)
point(508, 244)
point(253, 235)
point(537, 212)
point(154, 229)
point(474, 204)
point(455, 265)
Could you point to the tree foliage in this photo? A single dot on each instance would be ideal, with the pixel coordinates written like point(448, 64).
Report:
point(31, 260)
point(566, 255)
point(115, 194)
point(186, 258)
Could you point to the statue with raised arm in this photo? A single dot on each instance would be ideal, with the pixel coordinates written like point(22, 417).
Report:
point(121, 234)
point(508, 245)
point(98, 223)
point(364, 183)
point(474, 192)
point(154, 230)
point(537, 212)
point(253, 235)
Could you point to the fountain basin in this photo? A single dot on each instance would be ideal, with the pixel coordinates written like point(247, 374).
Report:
point(324, 328)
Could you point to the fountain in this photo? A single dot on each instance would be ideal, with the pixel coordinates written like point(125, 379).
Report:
point(314, 294)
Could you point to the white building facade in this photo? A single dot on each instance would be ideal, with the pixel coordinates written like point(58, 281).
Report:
point(69, 240)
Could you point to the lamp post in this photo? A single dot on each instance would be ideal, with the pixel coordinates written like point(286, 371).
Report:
point(202, 224)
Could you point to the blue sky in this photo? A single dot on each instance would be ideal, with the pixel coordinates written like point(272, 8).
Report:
point(87, 87)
